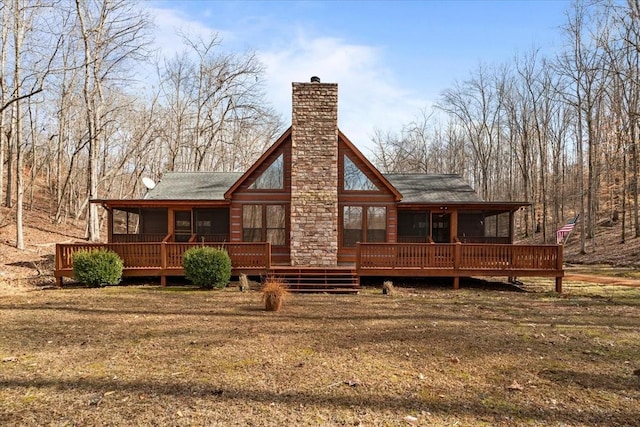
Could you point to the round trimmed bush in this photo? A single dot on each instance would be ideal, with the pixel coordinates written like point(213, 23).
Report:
point(97, 267)
point(207, 267)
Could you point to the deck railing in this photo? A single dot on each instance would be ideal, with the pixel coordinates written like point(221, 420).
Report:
point(138, 238)
point(457, 256)
point(159, 258)
point(372, 259)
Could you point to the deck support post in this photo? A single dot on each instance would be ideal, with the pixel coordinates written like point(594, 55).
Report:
point(456, 282)
point(559, 285)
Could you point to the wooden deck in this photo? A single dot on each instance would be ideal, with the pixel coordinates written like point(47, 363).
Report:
point(388, 260)
point(460, 260)
point(164, 259)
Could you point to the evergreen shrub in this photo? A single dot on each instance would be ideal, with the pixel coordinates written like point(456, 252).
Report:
point(207, 267)
point(97, 267)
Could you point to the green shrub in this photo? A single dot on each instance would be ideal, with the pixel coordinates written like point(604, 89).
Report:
point(98, 267)
point(207, 267)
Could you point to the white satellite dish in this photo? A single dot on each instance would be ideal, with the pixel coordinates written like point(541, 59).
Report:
point(148, 182)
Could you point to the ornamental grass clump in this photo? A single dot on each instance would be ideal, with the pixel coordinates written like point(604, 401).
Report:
point(207, 267)
point(274, 292)
point(97, 267)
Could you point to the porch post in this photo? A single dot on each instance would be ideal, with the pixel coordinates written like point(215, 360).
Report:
point(511, 226)
point(110, 223)
point(453, 231)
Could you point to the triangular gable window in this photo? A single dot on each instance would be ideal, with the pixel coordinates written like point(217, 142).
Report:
point(355, 179)
point(272, 178)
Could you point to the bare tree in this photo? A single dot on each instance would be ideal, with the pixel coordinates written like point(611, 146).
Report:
point(475, 105)
point(113, 33)
point(216, 114)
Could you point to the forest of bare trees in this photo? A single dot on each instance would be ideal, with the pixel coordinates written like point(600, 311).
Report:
point(78, 116)
point(560, 132)
point(87, 108)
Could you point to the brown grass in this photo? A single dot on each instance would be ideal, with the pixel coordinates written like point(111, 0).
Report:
point(146, 355)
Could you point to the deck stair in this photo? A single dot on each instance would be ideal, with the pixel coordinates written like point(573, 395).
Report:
point(311, 279)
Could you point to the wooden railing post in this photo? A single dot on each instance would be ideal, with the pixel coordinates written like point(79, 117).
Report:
point(559, 270)
point(456, 265)
point(268, 260)
point(358, 257)
point(163, 263)
point(59, 264)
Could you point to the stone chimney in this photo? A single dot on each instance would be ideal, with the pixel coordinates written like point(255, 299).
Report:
point(314, 174)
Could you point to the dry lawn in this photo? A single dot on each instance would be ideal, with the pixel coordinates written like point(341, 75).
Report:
point(146, 355)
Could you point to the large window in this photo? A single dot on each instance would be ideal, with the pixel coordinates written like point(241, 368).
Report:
point(125, 222)
point(354, 178)
point(272, 178)
point(264, 223)
point(356, 219)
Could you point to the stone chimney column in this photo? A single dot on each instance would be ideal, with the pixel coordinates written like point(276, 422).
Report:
point(314, 174)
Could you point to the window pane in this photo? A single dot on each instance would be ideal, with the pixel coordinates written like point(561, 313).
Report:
point(272, 178)
point(252, 223)
point(352, 226)
point(252, 216)
point(276, 236)
point(354, 178)
point(252, 234)
point(275, 216)
point(276, 225)
point(376, 224)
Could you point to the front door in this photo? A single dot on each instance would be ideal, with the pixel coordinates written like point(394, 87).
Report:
point(441, 228)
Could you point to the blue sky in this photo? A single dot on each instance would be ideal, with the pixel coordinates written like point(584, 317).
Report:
point(390, 59)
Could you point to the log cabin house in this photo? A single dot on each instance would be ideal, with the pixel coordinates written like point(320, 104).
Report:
point(314, 211)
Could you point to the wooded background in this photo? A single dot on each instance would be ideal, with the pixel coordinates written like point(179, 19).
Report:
point(87, 109)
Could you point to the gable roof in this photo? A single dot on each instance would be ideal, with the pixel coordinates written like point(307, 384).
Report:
point(433, 188)
point(193, 186)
